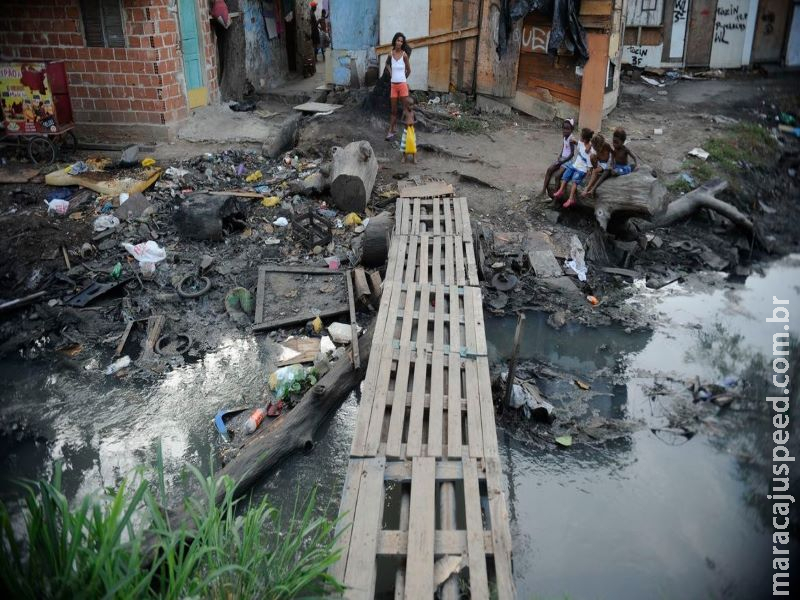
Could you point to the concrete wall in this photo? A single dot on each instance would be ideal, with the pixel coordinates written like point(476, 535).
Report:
point(354, 34)
point(411, 17)
point(730, 32)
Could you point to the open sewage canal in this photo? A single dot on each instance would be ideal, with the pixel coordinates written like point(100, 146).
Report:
point(658, 497)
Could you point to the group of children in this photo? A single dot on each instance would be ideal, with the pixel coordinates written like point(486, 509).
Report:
point(592, 155)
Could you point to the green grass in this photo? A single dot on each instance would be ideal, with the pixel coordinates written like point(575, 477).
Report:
point(742, 144)
point(466, 125)
point(118, 544)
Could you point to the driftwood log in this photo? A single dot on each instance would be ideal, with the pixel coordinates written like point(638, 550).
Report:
point(637, 195)
point(294, 430)
point(353, 172)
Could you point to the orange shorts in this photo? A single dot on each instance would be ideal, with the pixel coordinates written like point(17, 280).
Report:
point(399, 90)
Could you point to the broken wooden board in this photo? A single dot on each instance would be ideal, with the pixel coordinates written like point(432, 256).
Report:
point(428, 190)
point(544, 263)
point(107, 183)
point(17, 174)
point(306, 348)
point(317, 107)
point(305, 292)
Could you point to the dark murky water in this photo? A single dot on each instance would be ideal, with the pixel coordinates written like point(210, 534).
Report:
point(641, 516)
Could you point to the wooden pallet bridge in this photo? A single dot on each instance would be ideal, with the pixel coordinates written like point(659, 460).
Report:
point(422, 509)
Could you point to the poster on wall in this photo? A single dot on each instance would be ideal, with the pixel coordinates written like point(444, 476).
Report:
point(25, 99)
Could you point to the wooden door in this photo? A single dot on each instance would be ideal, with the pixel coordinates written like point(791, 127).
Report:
point(771, 21)
point(700, 32)
point(192, 57)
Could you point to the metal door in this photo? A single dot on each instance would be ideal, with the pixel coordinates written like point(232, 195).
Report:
point(773, 16)
point(700, 32)
point(192, 58)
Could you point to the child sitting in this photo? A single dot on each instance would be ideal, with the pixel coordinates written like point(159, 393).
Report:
point(619, 160)
point(575, 172)
point(567, 152)
point(602, 162)
point(408, 143)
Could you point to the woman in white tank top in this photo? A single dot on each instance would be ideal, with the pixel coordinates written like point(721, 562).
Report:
point(399, 67)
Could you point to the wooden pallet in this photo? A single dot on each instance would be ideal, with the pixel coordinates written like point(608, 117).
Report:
point(389, 511)
point(427, 390)
point(437, 216)
point(435, 259)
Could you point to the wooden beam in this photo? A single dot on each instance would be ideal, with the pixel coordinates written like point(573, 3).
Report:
point(440, 21)
point(432, 40)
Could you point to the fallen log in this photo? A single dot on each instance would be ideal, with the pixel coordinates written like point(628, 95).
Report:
point(638, 194)
point(294, 430)
point(354, 169)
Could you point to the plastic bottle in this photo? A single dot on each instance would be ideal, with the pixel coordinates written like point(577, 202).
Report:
point(118, 365)
point(254, 420)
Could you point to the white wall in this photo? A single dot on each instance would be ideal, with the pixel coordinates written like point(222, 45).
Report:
point(730, 33)
point(642, 56)
point(680, 18)
point(411, 17)
point(793, 49)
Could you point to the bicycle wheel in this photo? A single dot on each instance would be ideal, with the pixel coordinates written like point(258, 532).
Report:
point(41, 150)
point(67, 144)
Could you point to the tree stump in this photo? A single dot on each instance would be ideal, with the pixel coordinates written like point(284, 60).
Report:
point(638, 194)
point(376, 239)
point(354, 170)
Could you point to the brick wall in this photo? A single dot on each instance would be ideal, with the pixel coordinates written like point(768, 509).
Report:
point(141, 84)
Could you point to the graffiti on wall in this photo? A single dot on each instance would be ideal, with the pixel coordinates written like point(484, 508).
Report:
point(680, 17)
point(729, 18)
point(642, 56)
point(535, 39)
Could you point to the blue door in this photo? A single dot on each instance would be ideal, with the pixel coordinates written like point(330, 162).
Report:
point(192, 58)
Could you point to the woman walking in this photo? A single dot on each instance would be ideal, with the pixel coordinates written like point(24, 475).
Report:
point(399, 68)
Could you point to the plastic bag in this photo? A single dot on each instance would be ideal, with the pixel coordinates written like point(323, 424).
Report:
point(104, 222)
point(577, 262)
point(281, 222)
point(146, 252)
point(60, 207)
point(352, 219)
point(270, 201)
point(288, 380)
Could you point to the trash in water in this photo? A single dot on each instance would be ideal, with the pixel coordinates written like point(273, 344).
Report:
point(288, 380)
point(254, 420)
point(564, 441)
point(118, 365)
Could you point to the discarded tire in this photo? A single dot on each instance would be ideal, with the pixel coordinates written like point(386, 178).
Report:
point(171, 345)
point(193, 286)
point(376, 239)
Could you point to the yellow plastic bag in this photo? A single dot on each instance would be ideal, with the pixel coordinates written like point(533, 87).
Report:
point(316, 324)
point(411, 140)
point(270, 201)
point(254, 176)
point(352, 220)
point(148, 162)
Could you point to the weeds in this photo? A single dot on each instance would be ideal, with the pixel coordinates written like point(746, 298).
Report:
point(744, 144)
point(466, 125)
point(98, 548)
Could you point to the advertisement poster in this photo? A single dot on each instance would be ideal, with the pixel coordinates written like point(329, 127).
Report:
point(25, 98)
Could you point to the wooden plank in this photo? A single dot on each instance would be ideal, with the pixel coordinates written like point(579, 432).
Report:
point(435, 413)
point(440, 21)
point(437, 225)
point(436, 271)
point(417, 414)
point(378, 372)
point(347, 508)
point(472, 267)
point(478, 580)
point(497, 75)
point(501, 534)
point(395, 543)
point(448, 261)
point(317, 107)
point(421, 526)
point(433, 189)
point(454, 381)
point(405, 507)
point(259, 314)
point(432, 40)
point(594, 81)
point(424, 252)
point(353, 323)
point(448, 217)
point(459, 252)
point(411, 261)
point(474, 423)
point(397, 419)
point(484, 377)
point(415, 217)
point(446, 470)
point(447, 522)
point(361, 572)
point(603, 7)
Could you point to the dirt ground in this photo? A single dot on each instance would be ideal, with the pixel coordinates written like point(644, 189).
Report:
point(498, 165)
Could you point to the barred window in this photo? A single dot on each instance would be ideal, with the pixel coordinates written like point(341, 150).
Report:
point(102, 23)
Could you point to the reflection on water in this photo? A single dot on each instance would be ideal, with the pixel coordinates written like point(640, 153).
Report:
point(647, 516)
point(634, 517)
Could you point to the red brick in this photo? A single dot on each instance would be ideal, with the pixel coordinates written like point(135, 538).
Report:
point(120, 54)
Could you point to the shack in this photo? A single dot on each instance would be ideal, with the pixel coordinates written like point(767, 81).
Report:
point(711, 34)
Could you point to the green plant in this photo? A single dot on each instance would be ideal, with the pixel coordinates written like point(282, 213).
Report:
point(120, 544)
point(466, 125)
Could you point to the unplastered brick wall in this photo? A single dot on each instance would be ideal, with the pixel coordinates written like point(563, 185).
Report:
point(140, 84)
